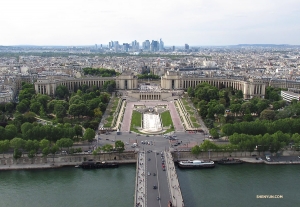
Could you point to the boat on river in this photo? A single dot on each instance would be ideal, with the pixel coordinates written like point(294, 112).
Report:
point(230, 161)
point(196, 164)
point(96, 165)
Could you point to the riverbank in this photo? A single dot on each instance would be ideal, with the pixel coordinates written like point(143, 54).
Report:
point(284, 159)
point(25, 163)
point(54, 165)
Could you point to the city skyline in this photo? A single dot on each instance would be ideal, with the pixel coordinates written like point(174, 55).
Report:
point(197, 23)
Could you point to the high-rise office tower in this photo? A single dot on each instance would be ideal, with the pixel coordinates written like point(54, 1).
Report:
point(161, 45)
point(146, 45)
point(173, 48)
point(154, 47)
point(186, 47)
point(116, 46)
point(110, 44)
point(125, 47)
point(135, 45)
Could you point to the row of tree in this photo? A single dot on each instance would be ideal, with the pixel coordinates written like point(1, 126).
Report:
point(100, 72)
point(257, 127)
point(250, 143)
point(148, 76)
point(267, 142)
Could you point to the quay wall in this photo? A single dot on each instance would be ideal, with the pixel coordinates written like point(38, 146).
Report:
point(8, 163)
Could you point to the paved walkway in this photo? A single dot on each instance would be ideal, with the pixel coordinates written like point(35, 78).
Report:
point(130, 105)
point(140, 199)
point(174, 186)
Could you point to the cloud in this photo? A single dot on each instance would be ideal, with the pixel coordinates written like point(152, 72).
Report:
point(197, 22)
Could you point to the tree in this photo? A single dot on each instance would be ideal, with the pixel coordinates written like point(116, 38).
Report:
point(208, 145)
point(59, 111)
point(44, 143)
point(267, 115)
point(235, 108)
point(22, 107)
point(10, 131)
point(74, 110)
point(97, 112)
point(61, 91)
point(2, 133)
point(214, 133)
point(64, 143)
point(35, 107)
point(4, 146)
point(89, 134)
point(191, 92)
point(53, 150)
point(17, 143)
point(9, 107)
point(78, 130)
point(107, 148)
point(239, 94)
point(119, 146)
point(196, 150)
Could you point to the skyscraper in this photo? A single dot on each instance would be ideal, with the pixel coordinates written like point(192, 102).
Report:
point(135, 46)
point(161, 45)
point(146, 45)
point(186, 47)
point(116, 46)
point(154, 47)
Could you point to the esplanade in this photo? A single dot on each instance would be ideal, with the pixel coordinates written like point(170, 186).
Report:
point(171, 80)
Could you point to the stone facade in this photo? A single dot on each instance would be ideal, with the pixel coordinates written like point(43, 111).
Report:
point(171, 80)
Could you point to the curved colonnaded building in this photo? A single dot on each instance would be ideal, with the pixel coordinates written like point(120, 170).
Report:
point(171, 80)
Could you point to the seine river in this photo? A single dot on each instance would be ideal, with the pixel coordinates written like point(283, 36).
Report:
point(222, 186)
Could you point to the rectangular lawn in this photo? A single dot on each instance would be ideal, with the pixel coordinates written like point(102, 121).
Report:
point(166, 119)
point(135, 120)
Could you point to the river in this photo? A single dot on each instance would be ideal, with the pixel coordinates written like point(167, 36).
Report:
point(222, 186)
point(239, 185)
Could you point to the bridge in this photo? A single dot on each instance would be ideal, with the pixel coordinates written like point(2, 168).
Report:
point(156, 180)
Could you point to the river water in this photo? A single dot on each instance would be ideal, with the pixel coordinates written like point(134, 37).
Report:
point(239, 185)
point(222, 186)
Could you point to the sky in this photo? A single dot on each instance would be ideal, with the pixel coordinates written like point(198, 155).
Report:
point(177, 22)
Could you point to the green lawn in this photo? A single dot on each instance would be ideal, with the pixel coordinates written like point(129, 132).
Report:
point(193, 119)
point(135, 120)
point(166, 119)
point(111, 112)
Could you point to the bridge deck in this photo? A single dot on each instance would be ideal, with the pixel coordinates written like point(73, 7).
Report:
point(166, 181)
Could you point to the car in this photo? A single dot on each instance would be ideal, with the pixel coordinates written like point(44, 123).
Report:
point(164, 169)
point(299, 157)
point(268, 158)
point(147, 135)
point(126, 143)
point(154, 187)
point(106, 139)
point(154, 174)
point(149, 173)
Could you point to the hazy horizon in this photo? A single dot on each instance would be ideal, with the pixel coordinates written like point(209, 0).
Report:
point(177, 22)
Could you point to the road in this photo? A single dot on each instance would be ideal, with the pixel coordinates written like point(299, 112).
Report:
point(154, 165)
point(187, 140)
